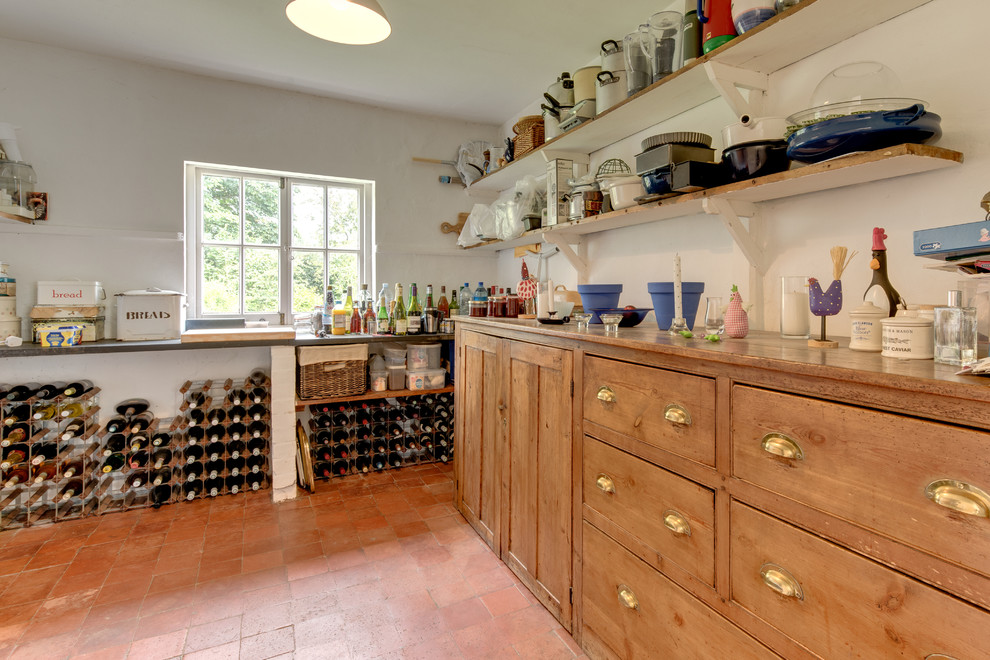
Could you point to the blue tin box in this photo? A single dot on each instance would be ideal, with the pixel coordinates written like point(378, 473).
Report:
point(953, 242)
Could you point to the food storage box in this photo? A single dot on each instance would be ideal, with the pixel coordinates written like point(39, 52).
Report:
point(426, 379)
point(92, 329)
point(423, 356)
point(396, 377)
point(8, 286)
point(10, 328)
point(8, 308)
point(149, 314)
point(969, 239)
point(61, 292)
point(64, 335)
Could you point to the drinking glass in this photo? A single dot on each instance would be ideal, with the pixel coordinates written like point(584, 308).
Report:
point(714, 319)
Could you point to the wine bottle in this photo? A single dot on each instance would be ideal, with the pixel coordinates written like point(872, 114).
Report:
point(340, 451)
point(72, 469)
point(235, 448)
point(237, 397)
point(43, 451)
point(395, 444)
point(161, 457)
point(215, 450)
point(362, 418)
point(362, 433)
point(139, 441)
point(322, 469)
point(161, 439)
point(196, 400)
point(135, 479)
point(237, 413)
point(235, 484)
point(192, 489)
point(362, 464)
point(138, 459)
point(213, 486)
point(112, 462)
point(235, 466)
point(42, 413)
point(195, 435)
point(196, 416)
point(235, 431)
point(426, 441)
point(18, 414)
point(213, 468)
point(258, 429)
point(341, 436)
point(369, 321)
point(395, 429)
point(256, 446)
point(379, 446)
point(410, 443)
point(44, 471)
point(414, 312)
point(21, 392)
point(881, 292)
point(441, 411)
point(257, 411)
point(216, 416)
point(378, 462)
point(382, 319)
point(379, 431)
point(340, 467)
point(341, 419)
point(115, 443)
point(72, 409)
point(48, 391)
point(399, 320)
point(131, 407)
point(395, 459)
point(258, 377)
point(161, 476)
point(259, 394)
point(379, 416)
point(15, 476)
point(161, 494)
point(76, 388)
point(116, 425)
point(192, 471)
point(72, 488)
point(256, 463)
point(74, 429)
point(440, 453)
point(324, 453)
point(324, 437)
point(193, 453)
point(216, 433)
point(15, 433)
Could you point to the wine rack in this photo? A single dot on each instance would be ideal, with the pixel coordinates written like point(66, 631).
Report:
point(364, 436)
point(48, 443)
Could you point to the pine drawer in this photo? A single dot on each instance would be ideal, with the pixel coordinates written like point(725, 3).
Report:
point(840, 605)
point(672, 515)
point(635, 612)
point(879, 470)
point(666, 409)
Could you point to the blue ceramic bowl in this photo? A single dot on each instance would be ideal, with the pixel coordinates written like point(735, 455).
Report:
point(599, 296)
point(630, 317)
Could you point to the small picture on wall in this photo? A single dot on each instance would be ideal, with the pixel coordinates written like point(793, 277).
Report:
point(38, 203)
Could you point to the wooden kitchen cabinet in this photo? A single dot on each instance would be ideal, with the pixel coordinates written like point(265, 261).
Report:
point(514, 471)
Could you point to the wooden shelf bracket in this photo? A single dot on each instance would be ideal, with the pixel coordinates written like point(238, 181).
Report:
point(728, 80)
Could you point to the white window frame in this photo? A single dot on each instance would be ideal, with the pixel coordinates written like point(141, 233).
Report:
point(194, 172)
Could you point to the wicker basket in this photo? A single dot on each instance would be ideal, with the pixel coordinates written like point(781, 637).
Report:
point(529, 134)
point(320, 377)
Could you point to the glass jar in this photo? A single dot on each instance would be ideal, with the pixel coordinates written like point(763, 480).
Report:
point(478, 308)
point(511, 305)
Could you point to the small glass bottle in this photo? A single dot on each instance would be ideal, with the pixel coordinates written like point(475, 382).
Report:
point(955, 332)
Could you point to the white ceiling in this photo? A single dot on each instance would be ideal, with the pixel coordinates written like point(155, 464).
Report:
point(467, 59)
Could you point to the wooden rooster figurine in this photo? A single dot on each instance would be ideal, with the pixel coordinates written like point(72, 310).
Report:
point(736, 319)
point(829, 302)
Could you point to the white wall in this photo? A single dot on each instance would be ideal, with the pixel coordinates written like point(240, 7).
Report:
point(939, 58)
point(108, 140)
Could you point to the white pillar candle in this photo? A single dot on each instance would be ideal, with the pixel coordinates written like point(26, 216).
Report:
point(678, 302)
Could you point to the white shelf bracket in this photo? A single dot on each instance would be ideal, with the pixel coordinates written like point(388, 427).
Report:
point(730, 213)
point(728, 80)
point(578, 261)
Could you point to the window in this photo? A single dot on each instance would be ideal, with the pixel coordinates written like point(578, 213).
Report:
point(259, 244)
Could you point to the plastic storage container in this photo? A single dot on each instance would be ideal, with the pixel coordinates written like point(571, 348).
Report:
point(395, 355)
point(377, 374)
point(423, 356)
point(396, 377)
point(426, 379)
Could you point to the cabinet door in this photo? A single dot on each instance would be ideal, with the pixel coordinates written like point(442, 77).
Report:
point(478, 455)
point(536, 531)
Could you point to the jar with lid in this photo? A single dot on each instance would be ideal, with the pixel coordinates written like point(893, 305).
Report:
point(478, 308)
point(866, 333)
point(511, 304)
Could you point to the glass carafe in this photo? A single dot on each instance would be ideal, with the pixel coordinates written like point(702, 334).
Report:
point(667, 55)
point(637, 47)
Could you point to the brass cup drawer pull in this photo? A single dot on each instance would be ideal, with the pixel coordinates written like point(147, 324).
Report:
point(959, 496)
point(605, 484)
point(675, 413)
point(627, 598)
point(782, 445)
point(780, 580)
point(676, 523)
point(605, 394)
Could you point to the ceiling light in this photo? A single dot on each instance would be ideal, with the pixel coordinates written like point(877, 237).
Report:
point(342, 21)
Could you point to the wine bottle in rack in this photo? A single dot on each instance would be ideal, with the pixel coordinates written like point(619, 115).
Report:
point(196, 416)
point(193, 453)
point(322, 422)
point(362, 447)
point(141, 422)
point(131, 407)
point(237, 397)
point(77, 388)
point(139, 441)
point(340, 451)
point(340, 467)
point(379, 446)
point(138, 460)
point(426, 441)
point(44, 472)
point(395, 444)
point(440, 454)
point(395, 459)
point(135, 480)
point(259, 394)
point(192, 471)
point(216, 416)
point(362, 433)
point(362, 464)
point(161, 476)
point(161, 494)
point(196, 400)
point(213, 486)
point(45, 412)
point(74, 429)
point(378, 462)
point(379, 431)
point(195, 435)
point(161, 439)
point(412, 411)
point(254, 481)
point(237, 414)
point(72, 409)
point(258, 378)
point(14, 454)
point(341, 419)
point(257, 412)
point(441, 411)
point(235, 484)
point(379, 416)
point(48, 391)
point(15, 476)
point(72, 488)
point(324, 453)
point(44, 451)
point(256, 446)
point(22, 392)
point(362, 418)
point(215, 450)
point(192, 489)
point(341, 436)
point(161, 457)
point(235, 431)
point(116, 425)
point(114, 443)
point(17, 414)
point(322, 469)
point(72, 468)
point(410, 442)
point(112, 463)
point(235, 466)
point(395, 429)
point(323, 437)
point(255, 463)
point(213, 468)
point(216, 433)
point(236, 448)
point(16, 433)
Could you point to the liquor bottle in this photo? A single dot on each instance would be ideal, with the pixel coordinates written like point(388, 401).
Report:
point(362, 464)
point(340, 467)
point(44, 471)
point(340, 451)
point(382, 318)
point(131, 407)
point(48, 391)
point(215, 450)
point(114, 443)
point(254, 481)
point(237, 397)
point(42, 413)
point(328, 304)
point(213, 486)
point(135, 480)
point(71, 469)
point(161, 457)
point(161, 494)
point(237, 413)
point(395, 459)
point(161, 439)
point(235, 466)
point(73, 488)
point(138, 441)
point(256, 446)
point(195, 435)
point(112, 462)
point(369, 320)
point(429, 311)
point(18, 414)
point(43, 451)
point(322, 469)
point(76, 388)
point(256, 463)
point(192, 489)
point(161, 476)
point(235, 448)
point(414, 313)
point(443, 306)
point(399, 320)
point(193, 453)
point(192, 471)
point(881, 292)
point(16, 433)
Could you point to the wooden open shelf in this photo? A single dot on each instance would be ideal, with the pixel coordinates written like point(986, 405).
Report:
point(368, 396)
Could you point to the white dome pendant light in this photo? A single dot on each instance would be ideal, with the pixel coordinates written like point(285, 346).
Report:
point(342, 21)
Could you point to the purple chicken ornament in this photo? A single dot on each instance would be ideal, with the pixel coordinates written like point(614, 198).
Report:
point(829, 302)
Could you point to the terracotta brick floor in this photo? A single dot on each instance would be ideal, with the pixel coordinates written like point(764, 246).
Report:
point(368, 567)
